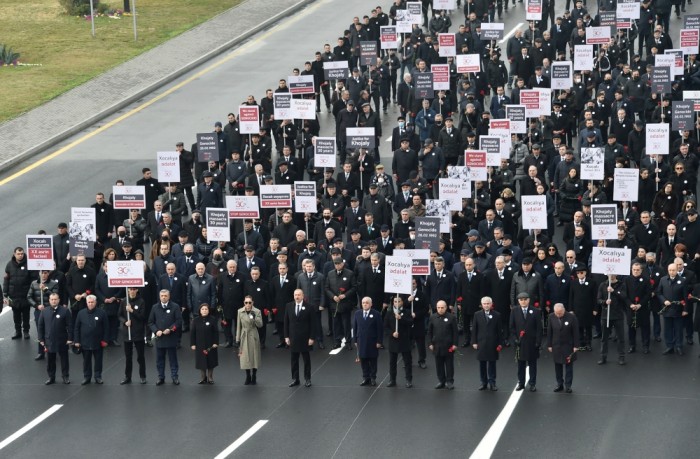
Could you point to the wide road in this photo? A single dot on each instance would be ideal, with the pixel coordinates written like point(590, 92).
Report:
point(641, 409)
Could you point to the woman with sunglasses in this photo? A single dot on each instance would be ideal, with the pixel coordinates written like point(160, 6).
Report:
point(684, 183)
point(682, 217)
point(248, 322)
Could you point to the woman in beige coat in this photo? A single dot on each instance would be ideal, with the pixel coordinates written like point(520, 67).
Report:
point(248, 338)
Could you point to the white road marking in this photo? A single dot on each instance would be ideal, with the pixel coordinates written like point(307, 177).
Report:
point(30, 426)
point(337, 351)
point(242, 439)
point(512, 31)
point(5, 310)
point(485, 448)
point(389, 138)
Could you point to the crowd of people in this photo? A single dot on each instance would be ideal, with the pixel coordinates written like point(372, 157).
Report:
point(490, 282)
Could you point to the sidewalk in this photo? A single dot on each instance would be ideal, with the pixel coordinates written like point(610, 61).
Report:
point(77, 109)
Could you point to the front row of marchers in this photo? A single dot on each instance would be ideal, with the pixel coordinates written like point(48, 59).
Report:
point(87, 332)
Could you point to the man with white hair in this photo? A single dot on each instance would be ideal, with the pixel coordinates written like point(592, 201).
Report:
point(562, 338)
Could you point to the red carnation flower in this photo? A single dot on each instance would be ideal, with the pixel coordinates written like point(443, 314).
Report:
point(548, 303)
point(46, 349)
point(499, 348)
point(636, 299)
point(459, 299)
point(173, 328)
point(224, 322)
point(205, 352)
point(103, 343)
point(274, 311)
point(266, 312)
point(651, 281)
point(690, 296)
point(342, 289)
point(537, 304)
point(522, 333)
point(88, 292)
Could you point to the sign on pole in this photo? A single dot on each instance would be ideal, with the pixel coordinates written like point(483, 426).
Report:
point(389, 37)
point(628, 9)
point(427, 233)
point(439, 208)
point(661, 78)
point(282, 105)
point(242, 206)
point(689, 39)
point(360, 138)
point(562, 75)
point(475, 160)
point(207, 147)
point(517, 114)
point(691, 21)
point(502, 129)
point(83, 224)
point(452, 191)
point(368, 53)
point(305, 197)
point(129, 197)
point(169, 166)
point(304, 109)
point(272, 196)
point(534, 212)
point(531, 100)
point(404, 20)
point(40, 252)
point(491, 144)
point(125, 273)
point(592, 164)
point(603, 221)
point(683, 115)
point(533, 11)
point(626, 184)
point(301, 84)
point(398, 277)
point(468, 63)
point(658, 138)
point(218, 224)
point(677, 67)
point(597, 35)
point(420, 257)
point(583, 57)
point(491, 31)
point(606, 260)
point(448, 45)
point(249, 119)
point(693, 96)
point(324, 152)
point(441, 76)
point(335, 70)
point(423, 85)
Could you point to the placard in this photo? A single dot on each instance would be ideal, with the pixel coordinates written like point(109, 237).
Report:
point(301, 84)
point(305, 197)
point(441, 76)
point(534, 212)
point(467, 63)
point(423, 85)
point(530, 98)
point(626, 182)
point(282, 106)
point(545, 101)
point(414, 11)
point(78, 247)
point(129, 197)
point(603, 221)
point(677, 68)
point(218, 224)
point(333, 71)
point(607, 18)
point(583, 57)
point(451, 190)
point(691, 21)
point(243, 206)
point(475, 160)
point(592, 164)
point(597, 35)
point(491, 31)
point(517, 114)
point(501, 128)
point(661, 78)
point(125, 273)
point(562, 75)
point(689, 39)
point(360, 138)
point(443, 5)
point(629, 9)
point(304, 109)
point(368, 53)
point(439, 208)
point(491, 144)
point(83, 224)
point(420, 258)
point(427, 233)
point(324, 152)
point(683, 115)
point(272, 196)
point(695, 97)
point(249, 118)
point(533, 10)
point(40, 252)
point(168, 163)
point(462, 174)
point(207, 147)
point(398, 277)
point(606, 260)
point(448, 45)
point(658, 138)
point(404, 22)
point(389, 37)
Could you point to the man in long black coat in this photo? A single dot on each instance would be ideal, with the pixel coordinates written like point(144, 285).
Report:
point(470, 290)
point(367, 333)
point(443, 336)
point(397, 328)
point(282, 291)
point(91, 332)
point(230, 293)
point(487, 336)
point(165, 321)
point(55, 335)
point(299, 330)
point(562, 338)
point(582, 298)
point(341, 293)
point(526, 329)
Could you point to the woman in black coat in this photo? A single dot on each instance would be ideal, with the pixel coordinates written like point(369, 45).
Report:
point(647, 190)
point(665, 206)
point(570, 192)
point(204, 341)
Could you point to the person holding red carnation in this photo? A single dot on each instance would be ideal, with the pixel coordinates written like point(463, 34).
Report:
point(204, 341)
point(91, 332)
point(487, 335)
point(526, 329)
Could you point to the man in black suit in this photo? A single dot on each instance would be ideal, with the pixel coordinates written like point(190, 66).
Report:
point(404, 198)
point(562, 338)
point(55, 333)
point(299, 328)
point(282, 291)
point(526, 329)
point(367, 333)
point(486, 340)
point(354, 215)
point(155, 218)
point(443, 338)
point(348, 183)
point(341, 293)
point(440, 285)
point(470, 291)
point(496, 284)
point(385, 243)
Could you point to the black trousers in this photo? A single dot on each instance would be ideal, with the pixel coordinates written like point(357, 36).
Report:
point(140, 358)
point(467, 320)
point(487, 370)
point(51, 362)
point(295, 365)
point(341, 327)
point(643, 322)
point(619, 326)
point(88, 357)
point(445, 367)
point(561, 379)
point(369, 368)
point(522, 365)
point(420, 344)
point(408, 362)
point(20, 315)
point(586, 335)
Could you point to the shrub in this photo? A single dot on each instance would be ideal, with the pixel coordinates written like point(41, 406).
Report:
point(78, 7)
point(7, 55)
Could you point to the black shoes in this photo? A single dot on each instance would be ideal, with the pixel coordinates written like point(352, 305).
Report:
point(372, 382)
point(125, 381)
point(228, 344)
point(321, 345)
point(98, 381)
point(307, 383)
point(176, 381)
point(450, 386)
point(519, 387)
point(440, 386)
point(49, 381)
point(645, 350)
point(568, 390)
point(602, 361)
point(114, 343)
point(17, 335)
point(621, 361)
point(679, 351)
point(365, 382)
point(493, 387)
point(409, 384)
point(294, 383)
point(85, 382)
point(160, 382)
point(558, 388)
point(26, 335)
point(422, 365)
point(631, 350)
point(482, 387)
point(533, 388)
point(391, 384)
point(280, 346)
point(66, 380)
point(143, 380)
point(39, 357)
point(668, 351)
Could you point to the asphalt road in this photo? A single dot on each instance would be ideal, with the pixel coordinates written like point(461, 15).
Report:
point(642, 409)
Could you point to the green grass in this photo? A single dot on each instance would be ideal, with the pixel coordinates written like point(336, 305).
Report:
point(69, 56)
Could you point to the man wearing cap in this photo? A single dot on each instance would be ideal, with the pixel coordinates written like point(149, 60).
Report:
point(403, 199)
point(376, 204)
point(385, 243)
point(403, 162)
point(528, 281)
point(209, 193)
point(354, 215)
point(526, 329)
point(341, 293)
point(432, 161)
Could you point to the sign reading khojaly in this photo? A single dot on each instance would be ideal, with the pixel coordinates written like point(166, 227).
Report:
point(689, 39)
point(207, 147)
point(218, 224)
point(441, 76)
point(282, 105)
point(423, 85)
point(604, 222)
point(335, 70)
point(129, 197)
point(40, 252)
point(683, 115)
point(360, 137)
point(562, 75)
point(324, 152)
point(427, 233)
point(301, 84)
point(517, 114)
point(305, 197)
point(389, 37)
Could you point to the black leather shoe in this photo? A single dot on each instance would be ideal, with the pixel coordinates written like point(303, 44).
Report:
point(125, 381)
point(493, 387)
point(85, 382)
point(679, 351)
point(17, 335)
point(279, 346)
point(329, 334)
point(422, 365)
point(321, 345)
point(645, 350)
point(66, 380)
point(149, 343)
point(365, 382)
point(143, 380)
point(621, 361)
point(26, 335)
point(373, 382)
point(519, 387)
point(246, 383)
point(294, 383)
point(631, 350)
point(450, 386)
point(533, 388)
point(602, 361)
point(482, 387)
point(558, 388)
point(39, 357)
point(228, 345)
point(49, 381)
point(391, 384)
point(176, 381)
point(160, 382)
point(409, 384)
point(568, 390)
point(667, 351)
point(657, 339)
point(689, 341)
point(98, 381)
point(440, 386)
point(307, 383)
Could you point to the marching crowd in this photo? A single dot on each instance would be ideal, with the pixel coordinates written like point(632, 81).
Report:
point(490, 282)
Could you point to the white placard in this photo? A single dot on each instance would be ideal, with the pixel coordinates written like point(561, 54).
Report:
point(415, 12)
point(448, 44)
point(562, 74)
point(530, 98)
point(398, 277)
point(628, 9)
point(83, 224)
point(301, 84)
point(626, 182)
point(439, 208)
point(404, 22)
point(444, 5)
point(453, 191)
point(534, 212)
point(324, 152)
point(243, 206)
point(125, 273)
point(420, 258)
point(606, 260)
point(389, 38)
point(467, 63)
point(695, 97)
point(39, 252)
point(305, 197)
point(273, 196)
point(689, 41)
point(583, 57)
point(533, 10)
point(475, 161)
point(218, 224)
point(249, 119)
point(517, 114)
point(441, 76)
point(545, 101)
point(603, 221)
point(462, 174)
point(492, 145)
point(677, 67)
point(592, 164)
point(658, 137)
point(597, 35)
point(168, 166)
point(304, 109)
point(129, 197)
